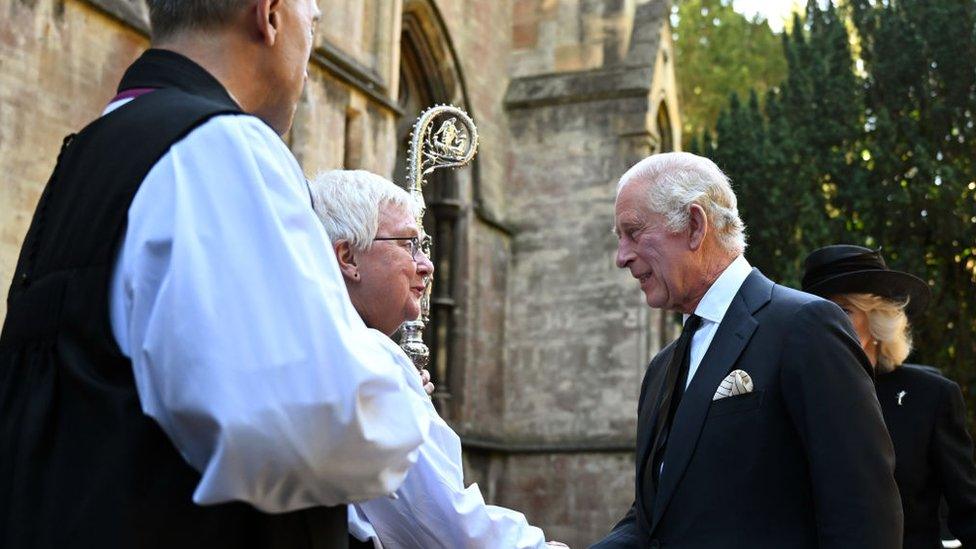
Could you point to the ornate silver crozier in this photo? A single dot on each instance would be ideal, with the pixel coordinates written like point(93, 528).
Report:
point(452, 144)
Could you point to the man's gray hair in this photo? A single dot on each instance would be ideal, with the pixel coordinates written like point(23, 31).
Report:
point(677, 180)
point(169, 17)
point(348, 204)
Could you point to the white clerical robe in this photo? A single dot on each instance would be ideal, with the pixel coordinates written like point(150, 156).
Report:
point(433, 509)
point(246, 349)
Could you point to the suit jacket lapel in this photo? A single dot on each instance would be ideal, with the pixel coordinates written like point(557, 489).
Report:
point(730, 339)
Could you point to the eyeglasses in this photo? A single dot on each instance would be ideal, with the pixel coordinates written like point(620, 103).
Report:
point(414, 244)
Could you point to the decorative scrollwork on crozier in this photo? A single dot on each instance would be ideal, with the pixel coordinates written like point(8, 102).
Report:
point(452, 145)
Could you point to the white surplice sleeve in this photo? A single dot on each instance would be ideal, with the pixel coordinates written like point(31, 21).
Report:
point(434, 510)
point(246, 349)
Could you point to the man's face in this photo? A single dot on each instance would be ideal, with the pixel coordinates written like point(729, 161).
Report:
point(392, 281)
point(293, 49)
point(661, 261)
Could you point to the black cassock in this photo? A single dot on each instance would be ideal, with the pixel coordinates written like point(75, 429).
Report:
point(80, 465)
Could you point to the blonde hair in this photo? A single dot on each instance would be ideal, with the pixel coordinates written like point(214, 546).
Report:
point(888, 325)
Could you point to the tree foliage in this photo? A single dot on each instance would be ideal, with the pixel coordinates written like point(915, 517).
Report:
point(719, 51)
point(876, 150)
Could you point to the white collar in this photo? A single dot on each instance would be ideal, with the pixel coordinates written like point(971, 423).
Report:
point(116, 104)
point(718, 298)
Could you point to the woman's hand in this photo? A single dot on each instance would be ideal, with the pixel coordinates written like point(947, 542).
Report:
point(425, 380)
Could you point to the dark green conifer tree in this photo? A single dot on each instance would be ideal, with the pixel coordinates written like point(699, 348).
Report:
point(878, 150)
point(920, 61)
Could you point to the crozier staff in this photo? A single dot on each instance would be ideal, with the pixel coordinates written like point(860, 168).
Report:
point(372, 225)
point(923, 410)
point(180, 365)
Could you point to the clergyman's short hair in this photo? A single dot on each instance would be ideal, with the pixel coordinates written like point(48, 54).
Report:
point(348, 202)
point(676, 181)
point(169, 17)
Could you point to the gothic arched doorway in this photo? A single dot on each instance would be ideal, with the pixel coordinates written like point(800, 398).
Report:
point(429, 76)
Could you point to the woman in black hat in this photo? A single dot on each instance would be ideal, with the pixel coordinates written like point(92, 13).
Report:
point(924, 411)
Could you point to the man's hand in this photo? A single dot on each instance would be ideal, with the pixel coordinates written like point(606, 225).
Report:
point(425, 379)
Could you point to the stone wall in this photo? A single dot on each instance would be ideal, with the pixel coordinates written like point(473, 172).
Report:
point(59, 65)
point(551, 36)
point(582, 106)
point(574, 496)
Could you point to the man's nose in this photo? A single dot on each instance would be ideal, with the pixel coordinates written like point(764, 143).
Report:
point(625, 253)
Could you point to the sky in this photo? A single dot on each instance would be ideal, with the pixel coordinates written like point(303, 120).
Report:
point(776, 12)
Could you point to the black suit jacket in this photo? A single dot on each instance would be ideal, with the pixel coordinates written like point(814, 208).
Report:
point(802, 461)
point(933, 451)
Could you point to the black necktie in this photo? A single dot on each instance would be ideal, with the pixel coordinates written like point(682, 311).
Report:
point(676, 377)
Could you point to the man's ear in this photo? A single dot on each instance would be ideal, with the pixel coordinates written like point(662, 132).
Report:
point(346, 259)
point(268, 20)
point(697, 226)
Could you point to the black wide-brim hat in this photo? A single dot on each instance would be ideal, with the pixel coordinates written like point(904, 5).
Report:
point(847, 269)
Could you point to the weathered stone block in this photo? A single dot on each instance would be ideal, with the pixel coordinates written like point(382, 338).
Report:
point(525, 35)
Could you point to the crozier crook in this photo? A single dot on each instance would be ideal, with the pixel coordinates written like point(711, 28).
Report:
point(452, 145)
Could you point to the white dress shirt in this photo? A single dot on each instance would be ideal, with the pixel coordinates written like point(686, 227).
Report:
point(433, 509)
point(712, 308)
point(246, 350)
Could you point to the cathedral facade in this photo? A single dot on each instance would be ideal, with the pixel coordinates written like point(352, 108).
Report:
point(538, 341)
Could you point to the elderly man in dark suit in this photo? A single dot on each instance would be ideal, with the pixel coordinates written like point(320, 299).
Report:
point(759, 426)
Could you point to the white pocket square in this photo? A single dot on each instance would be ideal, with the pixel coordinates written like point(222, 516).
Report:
point(737, 382)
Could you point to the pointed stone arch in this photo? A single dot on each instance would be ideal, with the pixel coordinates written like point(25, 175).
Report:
point(430, 74)
point(665, 130)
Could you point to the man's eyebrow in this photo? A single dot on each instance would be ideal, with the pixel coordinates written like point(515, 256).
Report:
point(629, 220)
point(622, 226)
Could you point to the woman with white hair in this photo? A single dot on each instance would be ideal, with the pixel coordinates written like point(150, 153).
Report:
point(383, 258)
point(924, 411)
